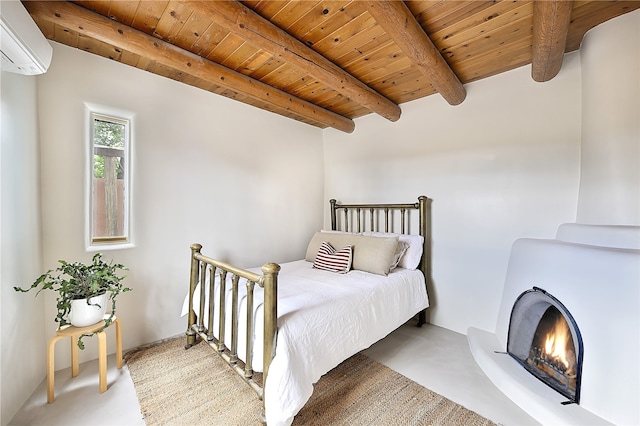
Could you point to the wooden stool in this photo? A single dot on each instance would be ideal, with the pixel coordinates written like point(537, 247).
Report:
point(75, 333)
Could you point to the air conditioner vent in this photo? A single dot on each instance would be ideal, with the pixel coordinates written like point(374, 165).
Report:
point(23, 48)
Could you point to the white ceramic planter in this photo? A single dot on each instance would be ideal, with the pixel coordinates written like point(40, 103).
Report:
point(83, 314)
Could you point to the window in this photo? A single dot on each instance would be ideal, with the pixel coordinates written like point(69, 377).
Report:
point(109, 179)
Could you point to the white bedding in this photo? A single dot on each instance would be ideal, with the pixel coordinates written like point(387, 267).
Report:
point(323, 319)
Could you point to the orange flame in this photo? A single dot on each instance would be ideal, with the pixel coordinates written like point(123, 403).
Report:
point(556, 342)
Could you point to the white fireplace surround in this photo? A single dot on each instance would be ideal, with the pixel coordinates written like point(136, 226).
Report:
point(594, 271)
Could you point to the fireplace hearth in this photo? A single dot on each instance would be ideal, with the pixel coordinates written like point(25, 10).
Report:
point(545, 339)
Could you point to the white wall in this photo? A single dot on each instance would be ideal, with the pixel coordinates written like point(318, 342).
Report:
point(22, 349)
point(502, 165)
point(245, 183)
point(610, 179)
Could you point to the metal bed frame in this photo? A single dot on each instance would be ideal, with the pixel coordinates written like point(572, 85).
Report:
point(354, 217)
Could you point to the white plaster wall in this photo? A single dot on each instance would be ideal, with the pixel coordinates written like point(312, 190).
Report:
point(610, 179)
point(22, 349)
point(245, 183)
point(502, 165)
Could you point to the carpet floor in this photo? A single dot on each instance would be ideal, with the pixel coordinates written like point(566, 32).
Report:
point(177, 387)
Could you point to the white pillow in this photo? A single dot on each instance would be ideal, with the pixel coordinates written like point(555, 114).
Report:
point(411, 258)
point(401, 249)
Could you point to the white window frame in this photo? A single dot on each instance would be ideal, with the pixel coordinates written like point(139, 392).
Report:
point(92, 112)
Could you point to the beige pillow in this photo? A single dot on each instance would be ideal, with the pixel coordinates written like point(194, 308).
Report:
point(413, 255)
point(370, 254)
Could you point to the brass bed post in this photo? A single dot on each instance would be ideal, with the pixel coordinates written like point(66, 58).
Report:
point(402, 215)
point(346, 220)
point(235, 280)
point(222, 310)
point(332, 202)
point(191, 334)
point(386, 220)
point(270, 285)
point(371, 219)
point(426, 255)
point(248, 365)
point(203, 281)
point(212, 283)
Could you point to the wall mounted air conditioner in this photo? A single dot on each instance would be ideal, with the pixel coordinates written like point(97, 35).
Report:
point(24, 50)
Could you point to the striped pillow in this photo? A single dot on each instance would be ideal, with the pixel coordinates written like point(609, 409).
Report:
point(330, 259)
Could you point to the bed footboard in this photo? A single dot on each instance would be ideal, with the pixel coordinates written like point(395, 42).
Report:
point(227, 347)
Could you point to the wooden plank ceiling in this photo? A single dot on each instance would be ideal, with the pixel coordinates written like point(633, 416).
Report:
point(327, 62)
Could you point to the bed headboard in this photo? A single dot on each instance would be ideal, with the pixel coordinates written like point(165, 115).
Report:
point(387, 218)
point(359, 213)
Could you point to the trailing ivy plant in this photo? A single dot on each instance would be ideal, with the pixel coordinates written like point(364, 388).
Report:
point(76, 280)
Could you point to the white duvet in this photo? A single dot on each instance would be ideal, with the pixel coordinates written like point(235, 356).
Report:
point(323, 319)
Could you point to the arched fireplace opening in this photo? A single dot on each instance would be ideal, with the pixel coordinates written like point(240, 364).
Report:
point(545, 339)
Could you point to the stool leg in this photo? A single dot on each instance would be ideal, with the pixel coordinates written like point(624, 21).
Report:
point(102, 360)
point(51, 368)
point(118, 343)
point(75, 366)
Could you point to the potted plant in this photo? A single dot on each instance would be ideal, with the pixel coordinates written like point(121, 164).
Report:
point(82, 289)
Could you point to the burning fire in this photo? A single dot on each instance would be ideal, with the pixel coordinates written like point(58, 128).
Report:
point(552, 355)
point(556, 342)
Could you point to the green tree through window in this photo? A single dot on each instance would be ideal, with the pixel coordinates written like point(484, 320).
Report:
point(107, 134)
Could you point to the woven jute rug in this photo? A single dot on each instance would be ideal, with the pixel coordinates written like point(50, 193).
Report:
point(195, 387)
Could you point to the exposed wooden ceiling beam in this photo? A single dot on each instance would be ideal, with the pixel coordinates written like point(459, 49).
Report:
point(88, 23)
point(551, 19)
point(244, 22)
point(400, 24)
